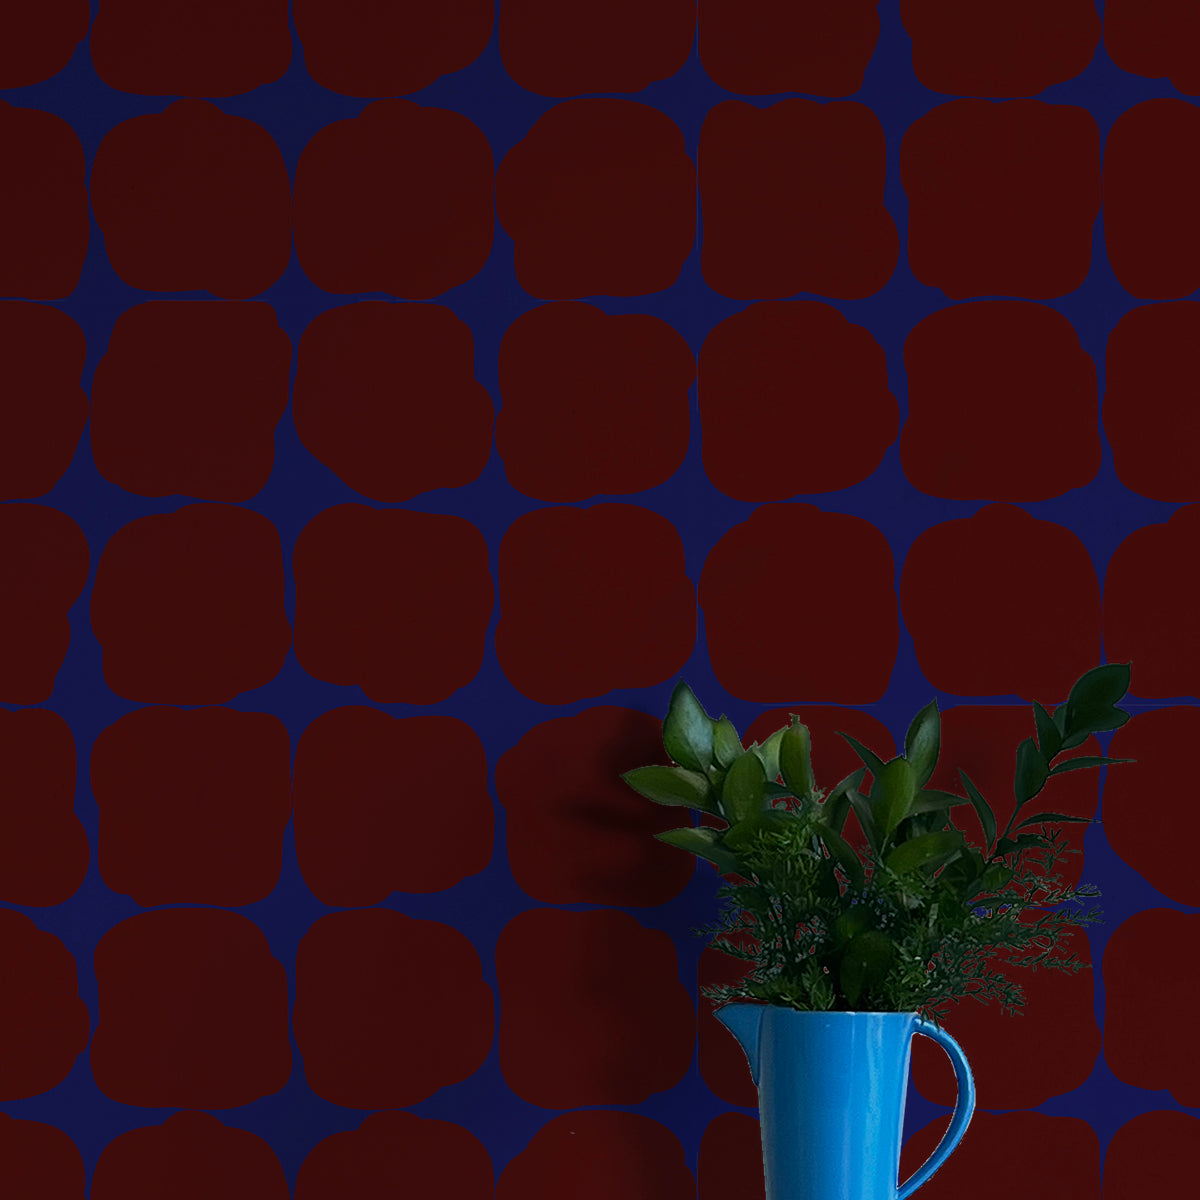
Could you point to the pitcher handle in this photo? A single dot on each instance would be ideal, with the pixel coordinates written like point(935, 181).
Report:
point(964, 1106)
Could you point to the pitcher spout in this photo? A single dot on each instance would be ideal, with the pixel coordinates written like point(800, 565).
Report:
point(744, 1021)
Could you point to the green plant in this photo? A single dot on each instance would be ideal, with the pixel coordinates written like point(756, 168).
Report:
point(923, 918)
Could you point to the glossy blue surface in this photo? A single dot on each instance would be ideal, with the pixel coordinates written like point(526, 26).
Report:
point(831, 1089)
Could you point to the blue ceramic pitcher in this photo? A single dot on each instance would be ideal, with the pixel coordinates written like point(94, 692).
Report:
point(831, 1089)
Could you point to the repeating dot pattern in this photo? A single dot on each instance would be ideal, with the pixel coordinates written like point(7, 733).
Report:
point(398, 399)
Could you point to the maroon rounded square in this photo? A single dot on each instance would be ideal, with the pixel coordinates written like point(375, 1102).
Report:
point(568, 1034)
point(394, 1152)
point(788, 45)
point(623, 218)
point(1156, 39)
point(42, 408)
point(187, 398)
point(1029, 632)
point(1018, 48)
point(38, 40)
point(44, 1025)
point(188, 606)
point(980, 377)
point(731, 1157)
point(593, 404)
point(180, 48)
point(1152, 1154)
point(1153, 425)
point(364, 48)
point(193, 198)
point(397, 199)
point(43, 847)
point(43, 569)
point(1002, 197)
point(559, 49)
point(803, 372)
point(386, 397)
point(193, 1011)
point(190, 1156)
point(363, 780)
point(845, 634)
point(1150, 228)
point(792, 196)
point(192, 805)
point(389, 1009)
point(39, 1160)
point(43, 203)
point(592, 599)
point(575, 832)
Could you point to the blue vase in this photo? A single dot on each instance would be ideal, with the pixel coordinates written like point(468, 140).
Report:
point(831, 1089)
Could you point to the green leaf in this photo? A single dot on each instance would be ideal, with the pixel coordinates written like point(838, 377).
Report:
point(983, 810)
point(866, 818)
point(768, 754)
point(1044, 817)
point(892, 795)
point(870, 759)
point(1087, 760)
point(1091, 706)
point(1048, 734)
point(1032, 771)
point(1006, 846)
point(837, 804)
point(850, 924)
point(739, 836)
point(995, 877)
point(843, 854)
point(745, 788)
point(727, 746)
point(795, 758)
point(908, 856)
point(672, 785)
point(923, 742)
point(864, 962)
point(930, 800)
point(707, 844)
point(688, 730)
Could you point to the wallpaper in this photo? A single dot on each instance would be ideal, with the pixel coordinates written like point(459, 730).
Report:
point(399, 399)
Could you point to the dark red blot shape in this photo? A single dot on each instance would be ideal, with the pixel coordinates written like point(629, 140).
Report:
point(980, 378)
point(386, 397)
point(178, 48)
point(793, 200)
point(44, 1025)
point(362, 48)
point(594, 1154)
point(42, 407)
point(43, 847)
point(187, 399)
point(1152, 1154)
point(388, 1009)
point(38, 40)
point(1155, 40)
point(622, 46)
point(623, 218)
point(1150, 197)
point(1015, 49)
point(1151, 975)
point(397, 602)
point(731, 1158)
point(802, 375)
point(193, 1011)
point(841, 635)
point(363, 781)
point(43, 568)
point(569, 1033)
point(592, 599)
point(1029, 631)
point(191, 1156)
point(593, 404)
point(43, 204)
point(39, 1160)
point(394, 1152)
point(1061, 1155)
point(1149, 609)
point(788, 45)
point(193, 198)
point(192, 805)
point(576, 833)
point(189, 606)
point(1148, 819)
point(1002, 197)
point(397, 199)
point(1151, 419)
